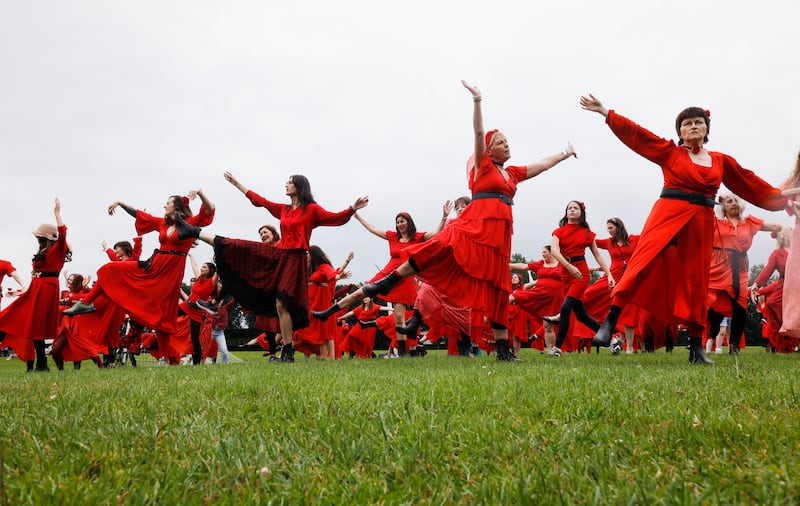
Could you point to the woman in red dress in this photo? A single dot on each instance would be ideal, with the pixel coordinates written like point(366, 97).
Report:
point(468, 260)
point(318, 338)
point(730, 270)
point(202, 289)
point(676, 285)
point(149, 291)
point(570, 241)
point(69, 344)
point(403, 294)
point(546, 295)
point(597, 298)
point(360, 340)
point(272, 280)
point(7, 269)
point(30, 320)
point(773, 292)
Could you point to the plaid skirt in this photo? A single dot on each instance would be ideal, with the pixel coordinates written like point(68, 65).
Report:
point(257, 274)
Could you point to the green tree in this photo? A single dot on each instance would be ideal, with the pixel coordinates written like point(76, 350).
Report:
point(518, 258)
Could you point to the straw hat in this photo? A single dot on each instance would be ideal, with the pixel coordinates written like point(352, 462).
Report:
point(47, 231)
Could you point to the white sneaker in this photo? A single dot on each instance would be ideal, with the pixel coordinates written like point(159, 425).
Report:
point(718, 351)
point(554, 352)
point(616, 346)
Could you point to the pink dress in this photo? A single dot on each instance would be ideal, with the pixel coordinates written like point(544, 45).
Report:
point(791, 285)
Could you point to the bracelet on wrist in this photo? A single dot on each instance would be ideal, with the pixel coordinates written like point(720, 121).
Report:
point(477, 99)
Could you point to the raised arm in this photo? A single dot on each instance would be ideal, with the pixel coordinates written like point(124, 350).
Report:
point(57, 213)
point(548, 162)
point(195, 267)
point(125, 207)
point(592, 103)
point(446, 208)
point(207, 204)
point(235, 182)
point(369, 226)
point(343, 268)
point(477, 125)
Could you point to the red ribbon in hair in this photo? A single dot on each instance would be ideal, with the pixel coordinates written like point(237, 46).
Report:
point(489, 136)
point(185, 201)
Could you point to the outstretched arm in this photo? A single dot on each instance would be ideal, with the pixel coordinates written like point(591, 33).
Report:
point(195, 267)
point(207, 204)
point(592, 103)
point(477, 125)
point(128, 209)
point(16, 277)
point(57, 213)
point(548, 162)
point(446, 208)
point(369, 226)
point(235, 182)
point(342, 269)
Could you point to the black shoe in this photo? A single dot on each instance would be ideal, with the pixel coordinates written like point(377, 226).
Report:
point(287, 353)
point(207, 306)
point(604, 333)
point(185, 231)
point(552, 320)
point(324, 315)
point(412, 325)
point(696, 352)
point(382, 286)
point(503, 353)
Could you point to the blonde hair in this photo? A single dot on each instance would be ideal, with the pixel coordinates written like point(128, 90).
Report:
point(720, 210)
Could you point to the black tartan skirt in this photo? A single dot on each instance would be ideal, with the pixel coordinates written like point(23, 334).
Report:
point(257, 274)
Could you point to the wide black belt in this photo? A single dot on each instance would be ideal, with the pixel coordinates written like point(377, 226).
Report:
point(46, 274)
point(575, 259)
point(502, 197)
point(737, 257)
point(170, 252)
point(698, 199)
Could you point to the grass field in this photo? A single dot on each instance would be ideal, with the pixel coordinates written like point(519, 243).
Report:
point(596, 429)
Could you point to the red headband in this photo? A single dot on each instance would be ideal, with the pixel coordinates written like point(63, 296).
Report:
point(489, 136)
point(404, 215)
point(185, 201)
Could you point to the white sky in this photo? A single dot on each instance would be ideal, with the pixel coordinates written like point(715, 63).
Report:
point(135, 101)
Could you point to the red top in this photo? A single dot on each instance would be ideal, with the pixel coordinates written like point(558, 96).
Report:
point(137, 251)
point(620, 254)
point(776, 262)
point(202, 289)
point(730, 240)
point(6, 268)
point(675, 244)
point(573, 239)
point(296, 224)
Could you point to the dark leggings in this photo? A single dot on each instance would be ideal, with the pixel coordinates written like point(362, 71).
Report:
point(573, 305)
point(197, 352)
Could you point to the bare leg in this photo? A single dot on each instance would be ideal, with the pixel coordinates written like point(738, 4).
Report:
point(285, 322)
point(549, 335)
point(629, 338)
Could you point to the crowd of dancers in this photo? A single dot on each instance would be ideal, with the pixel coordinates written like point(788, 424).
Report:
point(688, 269)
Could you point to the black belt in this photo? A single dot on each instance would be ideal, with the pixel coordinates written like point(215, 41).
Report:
point(698, 199)
point(575, 259)
point(170, 252)
point(736, 257)
point(46, 274)
point(502, 197)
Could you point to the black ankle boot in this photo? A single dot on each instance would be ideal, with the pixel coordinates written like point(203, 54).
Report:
point(464, 346)
point(606, 330)
point(324, 315)
point(401, 348)
point(412, 325)
point(503, 353)
point(185, 231)
point(696, 352)
point(381, 286)
point(287, 353)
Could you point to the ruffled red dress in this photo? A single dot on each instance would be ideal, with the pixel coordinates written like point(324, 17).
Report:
point(773, 306)
point(321, 287)
point(468, 260)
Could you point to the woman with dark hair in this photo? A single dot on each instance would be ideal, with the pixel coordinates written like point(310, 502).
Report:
point(570, 241)
point(267, 279)
point(149, 290)
point(202, 289)
point(318, 338)
point(405, 234)
point(544, 296)
point(729, 273)
point(72, 344)
point(468, 260)
point(668, 273)
point(30, 320)
point(268, 233)
point(597, 298)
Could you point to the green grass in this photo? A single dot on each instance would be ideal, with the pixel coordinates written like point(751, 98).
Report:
point(597, 429)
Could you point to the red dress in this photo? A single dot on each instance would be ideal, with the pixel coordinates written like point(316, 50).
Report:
point(403, 292)
point(546, 296)
point(468, 260)
point(361, 341)
point(773, 306)
point(150, 294)
point(34, 315)
point(653, 281)
point(5, 270)
point(729, 263)
point(79, 344)
point(321, 287)
point(573, 240)
point(256, 273)
point(597, 298)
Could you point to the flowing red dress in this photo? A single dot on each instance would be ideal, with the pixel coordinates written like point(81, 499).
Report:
point(321, 287)
point(359, 340)
point(150, 294)
point(256, 273)
point(6, 269)
point(34, 315)
point(403, 292)
point(773, 306)
point(597, 298)
point(468, 260)
point(546, 296)
point(669, 288)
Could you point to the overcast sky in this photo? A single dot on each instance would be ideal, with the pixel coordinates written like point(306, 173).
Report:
point(135, 101)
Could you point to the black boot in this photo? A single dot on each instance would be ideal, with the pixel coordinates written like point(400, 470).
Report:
point(287, 353)
point(401, 348)
point(696, 353)
point(606, 330)
point(381, 286)
point(412, 325)
point(185, 231)
point(503, 353)
point(324, 315)
point(464, 346)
